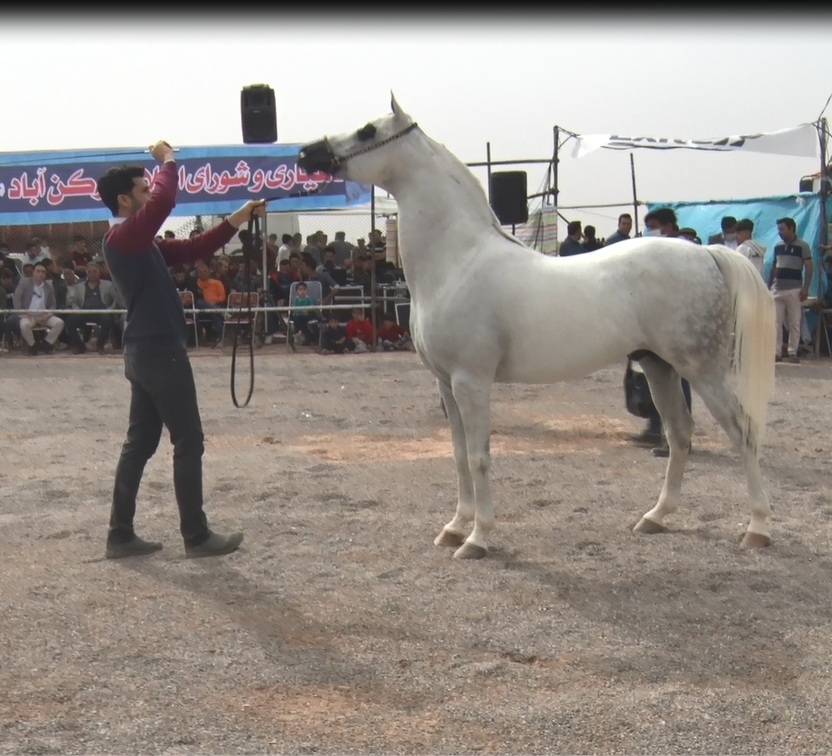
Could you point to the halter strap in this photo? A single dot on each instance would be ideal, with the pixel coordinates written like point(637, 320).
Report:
point(371, 147)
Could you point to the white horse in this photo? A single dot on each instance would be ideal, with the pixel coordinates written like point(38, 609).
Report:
point(485, 308)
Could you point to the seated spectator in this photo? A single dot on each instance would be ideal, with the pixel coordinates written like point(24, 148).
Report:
point(334, 337)
point(359, 330)
point(183, 281)
point(212, 299)
point(309, 272)
point(392, 337)
point(92, 294)
point(362, 274)
point(302, 319)
point(36, 295)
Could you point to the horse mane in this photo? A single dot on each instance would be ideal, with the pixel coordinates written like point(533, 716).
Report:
point(468, 183)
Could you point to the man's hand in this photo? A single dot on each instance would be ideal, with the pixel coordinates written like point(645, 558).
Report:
point(247, 213)
point(804, 294)
point(161, 151)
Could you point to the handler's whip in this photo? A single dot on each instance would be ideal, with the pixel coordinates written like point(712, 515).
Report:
point(251, 244)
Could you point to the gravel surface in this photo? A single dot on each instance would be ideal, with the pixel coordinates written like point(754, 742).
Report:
point(339, 628)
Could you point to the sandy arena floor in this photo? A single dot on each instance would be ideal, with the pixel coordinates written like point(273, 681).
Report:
point(340, 629)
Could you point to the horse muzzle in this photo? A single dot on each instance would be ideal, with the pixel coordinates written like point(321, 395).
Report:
point(318, 156)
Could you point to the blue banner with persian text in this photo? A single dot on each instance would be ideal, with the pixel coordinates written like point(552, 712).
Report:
point(60, 187)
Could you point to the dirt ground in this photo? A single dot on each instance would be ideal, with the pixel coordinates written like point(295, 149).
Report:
point(339, 628)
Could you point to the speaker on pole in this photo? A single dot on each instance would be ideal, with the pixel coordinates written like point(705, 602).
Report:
point(508, 197)
point(259, 117)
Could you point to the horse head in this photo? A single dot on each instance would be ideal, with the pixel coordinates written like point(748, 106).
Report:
point(358, 155)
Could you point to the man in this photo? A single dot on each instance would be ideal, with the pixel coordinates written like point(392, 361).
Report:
point(92, 294)
point(285, 248)
point(37, 295)
point(590, 242)
point(748, 247)
point(343, 249)
point(571, 245)
point(788, 280)
point(155, 350)
point(728, 236)
point(32, 254)
point(625, 225)
point(211, 297)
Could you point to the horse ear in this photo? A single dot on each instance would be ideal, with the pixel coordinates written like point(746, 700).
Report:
point(394, 106)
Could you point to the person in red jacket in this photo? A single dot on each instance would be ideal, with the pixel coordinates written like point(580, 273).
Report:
point(359, 330)
point(155, 350)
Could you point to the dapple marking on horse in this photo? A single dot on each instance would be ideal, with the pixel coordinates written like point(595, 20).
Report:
point(679, 308)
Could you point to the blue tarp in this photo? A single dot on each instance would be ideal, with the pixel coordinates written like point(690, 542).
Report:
point(59, 187)
point(804, 208)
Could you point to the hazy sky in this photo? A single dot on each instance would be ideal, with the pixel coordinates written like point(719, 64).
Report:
point(90, 81)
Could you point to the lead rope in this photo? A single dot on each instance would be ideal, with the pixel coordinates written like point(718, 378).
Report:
point(250, 246)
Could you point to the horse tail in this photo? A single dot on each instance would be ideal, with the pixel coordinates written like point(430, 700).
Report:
point(753, 319)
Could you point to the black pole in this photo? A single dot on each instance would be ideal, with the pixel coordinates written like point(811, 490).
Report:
point(635, 195)
point(555, 161)
point(373, 319)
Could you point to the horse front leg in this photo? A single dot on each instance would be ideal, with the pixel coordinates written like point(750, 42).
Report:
point(473, 405)
point(454, 533)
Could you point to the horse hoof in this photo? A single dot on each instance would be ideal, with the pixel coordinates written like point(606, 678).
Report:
point(470, 551)
point(446, 538)
point(754, 541)
point(648, 526)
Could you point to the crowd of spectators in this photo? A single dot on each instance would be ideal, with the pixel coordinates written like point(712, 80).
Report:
point(75, 279)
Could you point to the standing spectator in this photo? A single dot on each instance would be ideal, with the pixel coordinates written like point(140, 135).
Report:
point(32, 254)
point(748, 247)
point(590, 243)
point(788, 280)
point(728, 235)
point(156, 362)
point(36, 295)
point(625, 225)
point(343, 249)
point(79, 254)
point(285, 248)
point(571, 245)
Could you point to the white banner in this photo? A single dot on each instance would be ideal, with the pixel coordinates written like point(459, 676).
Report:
point(798, 141)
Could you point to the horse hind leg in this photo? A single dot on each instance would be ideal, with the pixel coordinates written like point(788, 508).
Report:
point(725, 406)
point(455, 532)
point(666, 390)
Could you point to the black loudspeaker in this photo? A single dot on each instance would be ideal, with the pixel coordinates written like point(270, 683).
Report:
point(507, 190)
point(258, 114)
point(806, 184)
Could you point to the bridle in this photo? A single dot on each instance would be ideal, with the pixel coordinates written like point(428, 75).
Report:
point(364, 133)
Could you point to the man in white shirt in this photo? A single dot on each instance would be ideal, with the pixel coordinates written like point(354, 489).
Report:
point(750, 248)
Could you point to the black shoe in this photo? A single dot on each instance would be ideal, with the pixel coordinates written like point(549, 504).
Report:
point(136, 547)
point(33, 350)
point(646, 437)
point(216, 545)
point(47, 347)
point(79, 349)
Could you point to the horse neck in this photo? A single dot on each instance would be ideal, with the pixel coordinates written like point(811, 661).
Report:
point(442, 210)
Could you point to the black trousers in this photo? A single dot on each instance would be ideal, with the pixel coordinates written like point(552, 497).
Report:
point(162, 393)
point(74, 322)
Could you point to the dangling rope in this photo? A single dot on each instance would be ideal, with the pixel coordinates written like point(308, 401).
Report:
point(251, 244)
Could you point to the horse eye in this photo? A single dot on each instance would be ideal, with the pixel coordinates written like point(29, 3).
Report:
point(366, 132)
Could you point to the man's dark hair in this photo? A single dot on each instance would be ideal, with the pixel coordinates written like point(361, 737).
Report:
point(116, 181)
point(664, 215)
point(574, 227)
point(308, 259)
point(746, 224)
point(284, 262)
point(728, 221)
point(623, 216)
point(40, 264)
point(788, 223)
point(66, 262)
point(589, 230)
point(286, 238)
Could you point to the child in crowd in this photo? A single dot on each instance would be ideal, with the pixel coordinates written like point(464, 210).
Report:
point(334, 337)
point(301, 320)
point(391, 336)
point(359, 330)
